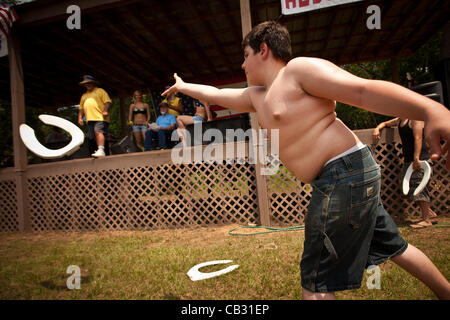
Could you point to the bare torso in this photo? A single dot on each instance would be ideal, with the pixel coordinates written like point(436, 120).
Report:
point(139, 118)
point(309, 132)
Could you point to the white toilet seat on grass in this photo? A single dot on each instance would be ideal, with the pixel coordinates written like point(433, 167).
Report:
point(32, 143)
point(195, 275)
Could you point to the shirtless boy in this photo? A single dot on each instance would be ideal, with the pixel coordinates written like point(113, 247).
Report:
point(346, 227)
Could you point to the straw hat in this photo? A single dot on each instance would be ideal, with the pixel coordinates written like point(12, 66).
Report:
point(88, 79)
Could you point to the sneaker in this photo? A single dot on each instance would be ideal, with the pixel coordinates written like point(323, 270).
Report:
point(99, 153)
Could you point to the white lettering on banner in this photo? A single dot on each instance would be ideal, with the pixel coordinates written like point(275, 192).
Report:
point(298, 6)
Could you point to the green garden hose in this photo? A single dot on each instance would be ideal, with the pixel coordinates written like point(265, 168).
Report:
point(271, 229)
point(296, 228)
point(439, 225)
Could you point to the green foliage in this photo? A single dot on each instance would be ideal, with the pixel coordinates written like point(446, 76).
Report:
point(115, 125)
point(422, 66)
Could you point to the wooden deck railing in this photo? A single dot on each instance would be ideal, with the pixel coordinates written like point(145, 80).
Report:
point(145, 191)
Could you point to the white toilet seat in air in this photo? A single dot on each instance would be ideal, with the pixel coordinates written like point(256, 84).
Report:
point(32, 143)
point(426, 177)
point(195, 275)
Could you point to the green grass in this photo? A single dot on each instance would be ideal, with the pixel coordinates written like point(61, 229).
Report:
point(153, 265)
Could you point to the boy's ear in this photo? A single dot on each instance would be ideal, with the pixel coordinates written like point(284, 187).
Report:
point(264, 50)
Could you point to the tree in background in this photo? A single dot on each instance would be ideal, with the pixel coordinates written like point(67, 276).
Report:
point(422, 66)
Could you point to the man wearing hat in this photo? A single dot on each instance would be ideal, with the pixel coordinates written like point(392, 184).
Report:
point(162, 129)
point(94, 105)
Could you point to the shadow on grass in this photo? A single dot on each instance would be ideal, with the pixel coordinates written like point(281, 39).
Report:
point(56, 285)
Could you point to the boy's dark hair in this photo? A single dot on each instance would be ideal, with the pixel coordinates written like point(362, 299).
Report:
point(274, 35)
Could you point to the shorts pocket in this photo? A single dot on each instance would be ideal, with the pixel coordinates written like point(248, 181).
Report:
point(363, 197)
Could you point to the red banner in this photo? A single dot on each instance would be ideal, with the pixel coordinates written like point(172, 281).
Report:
point(298, 6)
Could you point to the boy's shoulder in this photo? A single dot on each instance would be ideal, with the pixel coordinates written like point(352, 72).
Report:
point(301, 62)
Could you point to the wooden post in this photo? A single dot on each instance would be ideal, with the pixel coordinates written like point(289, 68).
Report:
point(18, 117)
point(261, 183)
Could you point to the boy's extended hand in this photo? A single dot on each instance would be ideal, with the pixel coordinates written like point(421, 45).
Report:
point(175, 88)
point(437, 129)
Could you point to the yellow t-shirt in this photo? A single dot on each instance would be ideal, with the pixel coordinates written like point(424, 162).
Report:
point(93, 104)
point(173, 103)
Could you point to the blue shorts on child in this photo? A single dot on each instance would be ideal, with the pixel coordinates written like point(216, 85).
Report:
point(347, 228)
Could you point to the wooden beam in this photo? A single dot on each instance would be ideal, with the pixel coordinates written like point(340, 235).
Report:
point(330, 31)
point(410, 40)
point(141, 20)
point(93, 62)
point(396, 29)
point(212, 38)
point(261, 183)
point(246, 17)
point(18, 117)
point(118, 58)
point(359, 15)
point(234, 28)
point(39, 13)
point(163, 9)
point(146, 52)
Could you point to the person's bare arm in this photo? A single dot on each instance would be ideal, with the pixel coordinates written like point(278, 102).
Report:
point(417, 127)
point(147, 107)
point(323, 79)
point(208, 111)
point(80, 116)
point(130, 113)
point(236, 99)
point(106, 107)
point(386, 124)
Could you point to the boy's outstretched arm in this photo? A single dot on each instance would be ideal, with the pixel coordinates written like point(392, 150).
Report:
point(322, 78)
point(236, 99)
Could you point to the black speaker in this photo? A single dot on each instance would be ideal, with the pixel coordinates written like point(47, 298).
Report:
point(126, 145)
point(237, 122)
point(432, 90)
point(443, 75)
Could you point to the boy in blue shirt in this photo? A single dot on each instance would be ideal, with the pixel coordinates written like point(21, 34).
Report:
point(162, 129)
